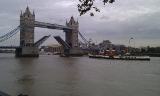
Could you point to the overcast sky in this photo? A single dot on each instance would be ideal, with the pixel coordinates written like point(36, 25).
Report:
point(116, 22)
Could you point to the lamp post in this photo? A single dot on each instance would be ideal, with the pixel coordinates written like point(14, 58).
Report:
point(129, 46)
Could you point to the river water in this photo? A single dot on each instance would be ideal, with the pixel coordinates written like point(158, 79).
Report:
point(51, 75)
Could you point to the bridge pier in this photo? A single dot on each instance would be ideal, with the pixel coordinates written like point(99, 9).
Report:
point(72, 52)
point(75, 52)
point(27, 52)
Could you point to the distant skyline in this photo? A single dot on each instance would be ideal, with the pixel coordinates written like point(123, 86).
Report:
point(117, 22)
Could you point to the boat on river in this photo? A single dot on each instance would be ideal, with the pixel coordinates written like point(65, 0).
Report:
point(120, 57)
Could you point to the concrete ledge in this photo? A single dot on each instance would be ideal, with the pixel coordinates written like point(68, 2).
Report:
point(27, 52)
point(28, 55)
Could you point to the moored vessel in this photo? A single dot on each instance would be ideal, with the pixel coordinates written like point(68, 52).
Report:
point(120, 57)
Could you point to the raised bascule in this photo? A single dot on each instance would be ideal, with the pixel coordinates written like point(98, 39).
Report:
point(29, 48)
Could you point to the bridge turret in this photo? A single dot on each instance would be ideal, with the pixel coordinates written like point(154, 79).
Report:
point(33, 14)
point(27, 20)
point(21, 14)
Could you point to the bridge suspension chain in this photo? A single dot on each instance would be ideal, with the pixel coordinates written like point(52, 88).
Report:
point(9, 34)
point(84, 39)
point(87, 43)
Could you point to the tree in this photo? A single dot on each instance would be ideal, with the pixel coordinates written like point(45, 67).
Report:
point(86, 5)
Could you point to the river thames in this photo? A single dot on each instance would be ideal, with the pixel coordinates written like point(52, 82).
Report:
point(51, 75)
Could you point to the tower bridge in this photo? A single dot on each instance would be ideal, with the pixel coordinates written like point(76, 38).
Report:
point(30, 48)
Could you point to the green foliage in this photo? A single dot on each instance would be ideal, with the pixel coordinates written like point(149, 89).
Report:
point(86, 5)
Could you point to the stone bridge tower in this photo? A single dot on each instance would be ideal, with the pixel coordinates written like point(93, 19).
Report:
point(27, 48)
point(27, 28)
point(72, 37)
